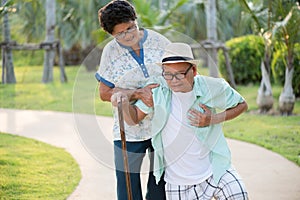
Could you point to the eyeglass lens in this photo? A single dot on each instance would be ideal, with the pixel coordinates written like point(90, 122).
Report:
point(123, 34)
point(178, 76)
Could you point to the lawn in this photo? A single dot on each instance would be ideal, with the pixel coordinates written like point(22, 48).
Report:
point(280, 134)
point(30, 169)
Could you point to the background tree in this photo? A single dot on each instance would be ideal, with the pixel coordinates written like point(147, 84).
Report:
point(33, 18)
point(151, 16)
point(78, 26)
point(262, 18)
point(8, 74)
point(50, 38)
point(278, 22)
point(78, 21)
point(211, 29)
point(286, 33)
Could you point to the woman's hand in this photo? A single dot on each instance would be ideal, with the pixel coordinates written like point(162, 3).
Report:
point(145, 94)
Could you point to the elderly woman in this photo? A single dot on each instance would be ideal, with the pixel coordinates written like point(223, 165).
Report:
point(127, 62)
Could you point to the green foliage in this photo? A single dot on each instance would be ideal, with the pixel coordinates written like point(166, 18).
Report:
point(150, 14)
point(76, 21)
point(32, 14)
point(279, 64)
point(30, 169)
point(245, 53)
point(5, 7)
point(286, 27)
point(147, 14)
point(190, 19)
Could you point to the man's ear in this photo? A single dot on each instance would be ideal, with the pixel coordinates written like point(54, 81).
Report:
point(195, 70)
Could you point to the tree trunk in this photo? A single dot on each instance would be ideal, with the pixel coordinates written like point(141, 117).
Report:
point(211, 28)
point(61, 62)
point(287, 96)
point(228, 68)
point(264, 98)
point(50, 37)
point(7, 61)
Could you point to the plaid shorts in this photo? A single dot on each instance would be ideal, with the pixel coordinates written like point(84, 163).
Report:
point(230, 187)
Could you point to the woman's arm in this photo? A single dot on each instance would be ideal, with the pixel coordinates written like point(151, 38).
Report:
point(145, 94)
point(131, 113)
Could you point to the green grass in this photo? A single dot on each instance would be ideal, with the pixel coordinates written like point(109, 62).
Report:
point(277, 133)
point(79, 94)
point(280, 134)
point(34, 170)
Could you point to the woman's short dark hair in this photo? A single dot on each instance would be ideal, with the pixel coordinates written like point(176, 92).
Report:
point(114, 13)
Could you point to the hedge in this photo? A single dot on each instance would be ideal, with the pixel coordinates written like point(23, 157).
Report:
point(245, 54)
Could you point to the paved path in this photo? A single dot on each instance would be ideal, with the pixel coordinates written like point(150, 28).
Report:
point(267, 175)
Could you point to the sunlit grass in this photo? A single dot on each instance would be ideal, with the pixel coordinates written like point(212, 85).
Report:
point(276, 133)
point(34, 170)
point(79, 94)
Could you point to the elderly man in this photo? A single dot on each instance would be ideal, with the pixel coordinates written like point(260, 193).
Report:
point(190, 147)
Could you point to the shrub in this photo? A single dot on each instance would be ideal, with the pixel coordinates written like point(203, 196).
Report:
point(245, 55)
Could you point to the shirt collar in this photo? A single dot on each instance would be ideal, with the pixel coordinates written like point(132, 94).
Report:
point(198, 90)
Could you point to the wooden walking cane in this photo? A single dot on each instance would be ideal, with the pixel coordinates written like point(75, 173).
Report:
point(124, 149)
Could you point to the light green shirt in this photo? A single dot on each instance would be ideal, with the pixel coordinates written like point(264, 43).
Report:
point(215, 93)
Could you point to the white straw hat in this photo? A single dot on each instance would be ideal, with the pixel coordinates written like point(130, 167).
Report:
point(177, 53)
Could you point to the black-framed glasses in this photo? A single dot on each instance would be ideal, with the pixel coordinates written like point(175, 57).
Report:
point(178, 76)
point(123, 34)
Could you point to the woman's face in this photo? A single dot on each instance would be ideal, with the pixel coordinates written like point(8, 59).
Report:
point(127, 33)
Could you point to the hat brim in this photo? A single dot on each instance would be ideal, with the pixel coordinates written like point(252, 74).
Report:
point(194, 62)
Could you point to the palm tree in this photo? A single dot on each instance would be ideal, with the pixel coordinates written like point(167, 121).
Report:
point(211, 30)
point(286, 33)
point(50, 37)
point(8, 74)
point(261, 15)
point(283, 33)
point(192, 19)
point(77, 21)
point(151, 14)
point(32, 15)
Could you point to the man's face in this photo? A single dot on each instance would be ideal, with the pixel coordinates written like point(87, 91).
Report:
point(179, 76)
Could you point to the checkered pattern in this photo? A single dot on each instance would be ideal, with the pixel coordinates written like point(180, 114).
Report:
point(230, 187)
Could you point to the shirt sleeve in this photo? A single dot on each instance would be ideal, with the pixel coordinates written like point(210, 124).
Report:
point(227, 97)
point(102, 73)
point(101, 79)
point(145, 109)
point(217, 93)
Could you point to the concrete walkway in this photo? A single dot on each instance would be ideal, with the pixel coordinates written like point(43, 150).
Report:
point(267, 175)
